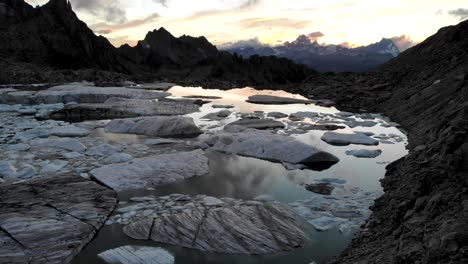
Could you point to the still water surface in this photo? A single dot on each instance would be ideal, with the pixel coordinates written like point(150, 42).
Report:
point(245, 178)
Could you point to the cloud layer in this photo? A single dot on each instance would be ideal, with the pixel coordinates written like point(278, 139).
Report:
point(460, 13)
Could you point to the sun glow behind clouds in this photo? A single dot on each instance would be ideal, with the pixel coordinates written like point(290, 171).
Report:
point(271, 21)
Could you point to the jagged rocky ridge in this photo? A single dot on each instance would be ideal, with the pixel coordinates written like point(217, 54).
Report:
point(50, 44)
point(422, 216)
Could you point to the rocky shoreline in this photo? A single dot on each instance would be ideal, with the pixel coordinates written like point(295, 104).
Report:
point(422, 216)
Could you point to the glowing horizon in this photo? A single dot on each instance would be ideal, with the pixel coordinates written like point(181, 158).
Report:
point(356, 22)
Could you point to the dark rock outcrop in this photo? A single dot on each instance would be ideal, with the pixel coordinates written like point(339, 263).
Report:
point(38, 44)
point(422, 216)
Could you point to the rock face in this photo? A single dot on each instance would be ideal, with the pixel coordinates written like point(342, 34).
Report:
point(153, 171)
point(269, 146)
point(156, 126)
point(275, 100)
point(137, 255)
point(51, 220)
point(422, 216)
point(339, 139)
point(233, 228)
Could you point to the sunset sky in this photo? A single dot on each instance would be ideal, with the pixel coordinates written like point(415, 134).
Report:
point(358, 22)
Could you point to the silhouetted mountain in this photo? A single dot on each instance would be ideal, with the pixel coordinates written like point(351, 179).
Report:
point(52, 36)
point(324, 58)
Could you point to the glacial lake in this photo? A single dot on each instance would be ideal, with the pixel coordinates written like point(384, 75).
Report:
point(246, 178)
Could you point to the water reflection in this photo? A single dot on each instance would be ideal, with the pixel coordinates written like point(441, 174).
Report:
point(245, 178)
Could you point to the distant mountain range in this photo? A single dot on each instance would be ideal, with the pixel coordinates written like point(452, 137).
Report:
point(321, 57)
point(52, 38)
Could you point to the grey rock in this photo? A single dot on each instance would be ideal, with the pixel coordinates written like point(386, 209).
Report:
point(256, 229)
point(218, 115)
point(102, 150)
point(223, 106)
point(353, 124)
point(212, 201)
point(269, 99)
point(7, 170)
point(137, 255)
point(320, 188)
point(153, 171)
point(159, 141)
point(364, 153)
point(72, 155)
point(70, 144)
point(258, 123)
point(157, 126)
point(18, 147)
point(26, 172)
point(277, 115)
point(69, 131)
point(53, 166)
point(302, 115)
point(50, 220)
point(117, 158)
point(264, 145)
point(88, 94)
point(339, 139)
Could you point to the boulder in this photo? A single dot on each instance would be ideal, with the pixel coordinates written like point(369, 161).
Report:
point(258, 123)
point(53, 166)
point(320, 188)
point(137, 255)
point(18, 147)
point(153, 171)
point(276, 100)
point(223, 106)
point(49, 220)
point(340, 139)
point(69, 131)
point(162, 86)
point(70, 144)
point(353, 124)
point(247, 228)
point(156, 126)
point(277, 115)
point(88, 94)
point(301, 115)
point(117, 158)
point(264, 145)
point(364, 153)
point(218, 115)
point(125, 108)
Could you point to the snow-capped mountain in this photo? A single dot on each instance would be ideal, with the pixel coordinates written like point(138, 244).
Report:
point(321, 57)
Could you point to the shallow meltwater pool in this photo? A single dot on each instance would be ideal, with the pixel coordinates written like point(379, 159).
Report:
point(331, 203)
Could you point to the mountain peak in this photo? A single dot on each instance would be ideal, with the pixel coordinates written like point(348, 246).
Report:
point(60, 4)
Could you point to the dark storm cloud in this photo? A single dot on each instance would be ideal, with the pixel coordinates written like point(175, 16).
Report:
point(461, 13)
point(110, 10)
